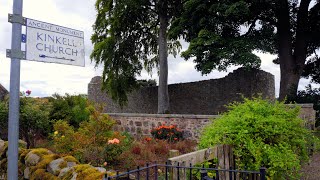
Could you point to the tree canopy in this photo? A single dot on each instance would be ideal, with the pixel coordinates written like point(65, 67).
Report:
point(130, 35)
point(224, 33)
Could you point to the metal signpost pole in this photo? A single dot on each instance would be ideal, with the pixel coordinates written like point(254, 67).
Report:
point(13, 127)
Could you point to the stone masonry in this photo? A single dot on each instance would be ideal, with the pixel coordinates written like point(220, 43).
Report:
point(140, 125)
point(207, 97)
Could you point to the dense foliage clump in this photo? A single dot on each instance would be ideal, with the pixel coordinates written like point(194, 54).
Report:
point(70, 108)
point(34, 122)
point(263, 134)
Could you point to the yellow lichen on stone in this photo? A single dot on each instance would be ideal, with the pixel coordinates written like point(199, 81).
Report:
point(87, 172)
point(45, 160)
point(4, 150)
point(41, 151)
point(22, 154)
point(22, 144)
point(41, 174)
point(84, 172)
point(63, 165)
point(71, 159)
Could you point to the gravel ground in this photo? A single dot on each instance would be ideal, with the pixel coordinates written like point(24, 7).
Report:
point(311, 171)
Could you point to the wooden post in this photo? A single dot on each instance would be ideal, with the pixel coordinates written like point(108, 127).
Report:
point(173, 153)
point(226, 150)
point(173, 171)
point(221, 162)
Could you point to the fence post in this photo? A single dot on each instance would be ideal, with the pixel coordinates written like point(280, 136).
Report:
point(263, 173)
point(173, 171)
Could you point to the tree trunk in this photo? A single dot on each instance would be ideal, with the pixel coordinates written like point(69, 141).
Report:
point(291, 60)
point(163, 95)
point(288, 83)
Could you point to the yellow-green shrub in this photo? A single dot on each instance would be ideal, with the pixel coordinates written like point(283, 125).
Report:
point(263, 133)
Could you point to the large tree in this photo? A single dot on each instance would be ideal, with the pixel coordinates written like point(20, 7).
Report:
point(130, 35)
point(224, 33)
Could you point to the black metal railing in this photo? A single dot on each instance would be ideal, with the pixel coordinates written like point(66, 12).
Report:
point(177, 172)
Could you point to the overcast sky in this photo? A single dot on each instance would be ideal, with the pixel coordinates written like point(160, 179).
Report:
point(45, 79)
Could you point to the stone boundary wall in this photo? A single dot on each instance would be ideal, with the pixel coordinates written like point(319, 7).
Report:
point(202, 97)
point(140, 125)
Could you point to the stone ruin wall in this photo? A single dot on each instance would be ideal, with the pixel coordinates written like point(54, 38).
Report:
point(207, 97)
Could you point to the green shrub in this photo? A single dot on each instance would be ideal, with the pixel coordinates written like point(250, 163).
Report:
point(70, 108)
point(263, 134)
point(34, 119)
point(170, 133)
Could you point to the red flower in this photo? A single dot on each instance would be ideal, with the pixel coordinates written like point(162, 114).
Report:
point(148, 139)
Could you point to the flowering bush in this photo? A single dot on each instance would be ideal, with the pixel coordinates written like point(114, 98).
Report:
point(93, 142)
point(113, 150)
point(167, 132)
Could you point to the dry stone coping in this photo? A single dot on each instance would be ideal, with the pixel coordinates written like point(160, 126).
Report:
point(34, 156)
point(307, 105)
point(54, 166)
point(32, 159)
point(49, 164)
point(186, 116)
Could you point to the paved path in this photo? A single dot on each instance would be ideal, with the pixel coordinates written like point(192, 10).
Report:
point(311, 171)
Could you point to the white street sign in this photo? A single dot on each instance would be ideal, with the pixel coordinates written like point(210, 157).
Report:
point(54, 44)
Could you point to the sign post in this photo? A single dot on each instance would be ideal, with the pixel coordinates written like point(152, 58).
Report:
point(13, 124)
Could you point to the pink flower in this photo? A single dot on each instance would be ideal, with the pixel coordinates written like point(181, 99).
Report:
point(114, 141)
point(28, 92)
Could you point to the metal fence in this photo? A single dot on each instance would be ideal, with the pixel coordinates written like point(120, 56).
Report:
point(170, 172)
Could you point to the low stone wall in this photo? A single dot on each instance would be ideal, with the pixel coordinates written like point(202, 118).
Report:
point(308, 114)
point(141, 124)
